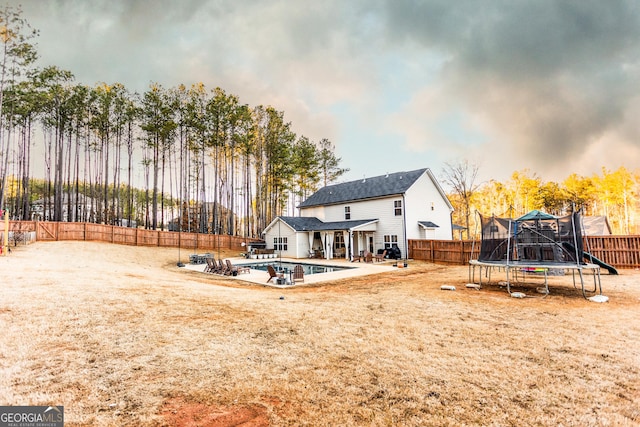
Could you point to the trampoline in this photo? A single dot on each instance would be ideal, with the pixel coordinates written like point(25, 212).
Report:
point(536, 241)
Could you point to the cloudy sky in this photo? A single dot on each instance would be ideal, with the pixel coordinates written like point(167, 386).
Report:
point(552, 86)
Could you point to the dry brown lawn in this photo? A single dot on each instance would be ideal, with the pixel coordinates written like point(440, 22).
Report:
point(122, 336)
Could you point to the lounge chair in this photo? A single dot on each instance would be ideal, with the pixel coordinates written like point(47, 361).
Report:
point(298, 274)
point(380, 257)
point(236, 269)
point(222, 268)
point(211, 265)
point(273, 273)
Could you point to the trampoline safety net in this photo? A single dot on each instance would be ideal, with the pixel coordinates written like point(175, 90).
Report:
point(534, 237)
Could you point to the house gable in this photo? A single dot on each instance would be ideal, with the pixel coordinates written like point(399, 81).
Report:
point(426, 202)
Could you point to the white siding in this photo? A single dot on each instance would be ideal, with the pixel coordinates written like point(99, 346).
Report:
point(428, 233)
point(420, 198)
point(315, 211)
point(368, 209)
point(294, 240)
point(381, 209)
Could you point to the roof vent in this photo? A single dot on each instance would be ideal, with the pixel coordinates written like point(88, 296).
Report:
point(400, 176)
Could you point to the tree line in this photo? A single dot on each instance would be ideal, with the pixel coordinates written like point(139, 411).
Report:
point(614, 194)
point(187, 158)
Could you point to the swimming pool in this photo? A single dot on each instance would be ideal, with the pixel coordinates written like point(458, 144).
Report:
point(288, 266)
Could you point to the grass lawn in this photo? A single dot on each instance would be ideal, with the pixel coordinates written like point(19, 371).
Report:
point(121, 336)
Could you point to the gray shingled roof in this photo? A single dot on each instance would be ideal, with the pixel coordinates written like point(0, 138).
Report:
point(299, 223)
point(428, 224)
point(367, 188)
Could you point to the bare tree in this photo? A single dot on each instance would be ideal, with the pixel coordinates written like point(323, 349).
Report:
point(461, 177)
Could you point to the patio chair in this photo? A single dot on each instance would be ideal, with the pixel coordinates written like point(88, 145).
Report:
point(211, 265)
point(272, 273)
point(236, 269)
point(380, 257)
point(298, 274)
point(368, 257)
point(222, 268)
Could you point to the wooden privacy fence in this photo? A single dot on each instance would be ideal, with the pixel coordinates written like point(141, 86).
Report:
point(56, 231)
point(618, 251)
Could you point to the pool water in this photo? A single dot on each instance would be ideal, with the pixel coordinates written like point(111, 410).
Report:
point(288, 266)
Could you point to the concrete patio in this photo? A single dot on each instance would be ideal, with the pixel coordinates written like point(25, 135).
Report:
point(355, 269)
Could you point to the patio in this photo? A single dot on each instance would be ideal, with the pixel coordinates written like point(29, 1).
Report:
point(354, 269)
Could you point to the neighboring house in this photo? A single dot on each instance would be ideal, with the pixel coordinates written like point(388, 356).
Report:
point(192, 215)
point(370, 214)
point(596, 226)
point(82, 208)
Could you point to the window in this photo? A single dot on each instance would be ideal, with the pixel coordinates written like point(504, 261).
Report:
point(347, 212)
point(280, 243)
point(390, 240)
point(397, 207)
point(338, 240)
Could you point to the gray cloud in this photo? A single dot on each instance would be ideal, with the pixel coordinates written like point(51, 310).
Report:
point(516, 40)
point(514, 84)
point(548, 78)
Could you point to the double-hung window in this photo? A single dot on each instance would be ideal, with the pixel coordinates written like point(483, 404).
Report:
point(280, 243)
point(397, 207)
point(390, 240)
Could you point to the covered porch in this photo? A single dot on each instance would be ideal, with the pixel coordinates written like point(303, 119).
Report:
point(309, 237)
point(344, 239)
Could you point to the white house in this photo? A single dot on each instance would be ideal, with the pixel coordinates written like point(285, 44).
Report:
point(371, 214)
point(82, 208)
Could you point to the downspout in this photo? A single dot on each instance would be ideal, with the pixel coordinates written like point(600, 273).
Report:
point(453, 236)
point(404, 228)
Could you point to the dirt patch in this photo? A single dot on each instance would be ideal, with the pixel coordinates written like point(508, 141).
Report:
point(179, 413)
